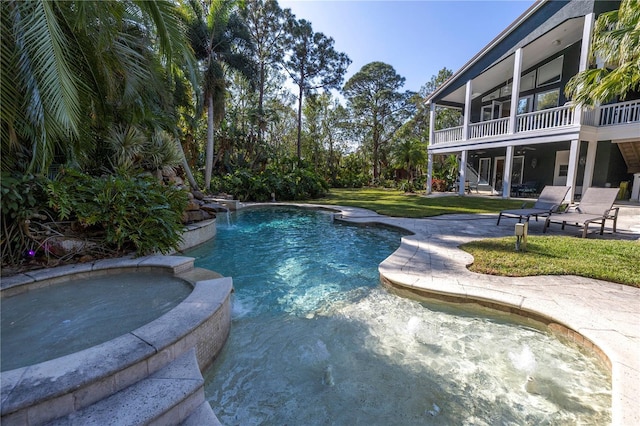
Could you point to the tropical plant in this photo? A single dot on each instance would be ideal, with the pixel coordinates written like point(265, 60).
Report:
point(21, 199)
point(220, 40)
point(290, 180)
point(410, 154)
point(616, 43)
point(71, 69)
point(134, 213)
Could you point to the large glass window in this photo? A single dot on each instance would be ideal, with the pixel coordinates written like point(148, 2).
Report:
point(506, 90)
point(546, 100)
point(491, 96)
point(550, 72)
point(528, 81)
point(516, 170)
point(484, 170)
point(525, 104)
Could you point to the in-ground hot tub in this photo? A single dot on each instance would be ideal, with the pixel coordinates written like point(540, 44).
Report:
point(38, 393)
point(49, 322)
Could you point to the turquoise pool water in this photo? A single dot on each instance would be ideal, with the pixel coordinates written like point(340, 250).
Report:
point(50, 322)
point(315, 340)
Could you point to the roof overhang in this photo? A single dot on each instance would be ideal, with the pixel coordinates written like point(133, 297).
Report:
point(536, 47)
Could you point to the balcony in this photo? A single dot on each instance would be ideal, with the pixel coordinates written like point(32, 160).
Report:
point(554, 118)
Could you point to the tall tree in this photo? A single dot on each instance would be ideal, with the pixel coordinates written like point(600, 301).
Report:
point(220, 40)
point(312, 64)
point(378, 105)
point(616, 42)
point(266, 23)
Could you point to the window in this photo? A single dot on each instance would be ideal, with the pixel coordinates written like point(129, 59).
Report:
point(487, 113)
point(506, 90)
point(550, 72)
point(528, 81)
point(563, 170)
point(546, 100)
point(516, 170)
point(525, 104)
point(491, 96)
point(483, 170)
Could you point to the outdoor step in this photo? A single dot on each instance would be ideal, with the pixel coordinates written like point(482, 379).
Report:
point(167, 397)
point(203, 415)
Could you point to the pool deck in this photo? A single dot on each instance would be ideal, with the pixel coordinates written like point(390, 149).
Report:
point(600, 315)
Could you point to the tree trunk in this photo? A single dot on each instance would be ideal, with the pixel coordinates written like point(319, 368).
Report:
point(299, 146)
point(208, 170)
point(376, 143)
point(187, 169)
point(261, 121)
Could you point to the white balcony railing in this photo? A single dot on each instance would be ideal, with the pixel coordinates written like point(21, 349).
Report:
point(489, 128)
point(606, 115)
point(448, 135)
point(545, 119)
point(620, 113)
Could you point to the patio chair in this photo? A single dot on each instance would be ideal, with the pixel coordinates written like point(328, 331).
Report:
point(549, 201)
point(596, 206)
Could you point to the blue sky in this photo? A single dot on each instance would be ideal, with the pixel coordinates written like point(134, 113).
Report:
point(418, 38)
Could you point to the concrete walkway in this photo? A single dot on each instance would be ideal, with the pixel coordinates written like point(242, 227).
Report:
point(598, 314)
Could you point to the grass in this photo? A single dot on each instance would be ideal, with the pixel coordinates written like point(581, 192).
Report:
point(610, 260)
point(398, 204)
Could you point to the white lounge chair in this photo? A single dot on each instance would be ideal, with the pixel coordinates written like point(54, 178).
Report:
point(549, 201)
point(596, 206)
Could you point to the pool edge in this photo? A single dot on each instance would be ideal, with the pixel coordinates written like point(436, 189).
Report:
point(42, 392)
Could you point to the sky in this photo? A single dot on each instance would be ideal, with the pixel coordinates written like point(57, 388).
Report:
point(418, 38)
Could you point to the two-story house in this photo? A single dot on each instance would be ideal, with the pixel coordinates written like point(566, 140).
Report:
point(518, 130)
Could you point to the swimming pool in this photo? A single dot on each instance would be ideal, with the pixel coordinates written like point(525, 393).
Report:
point(316, 340)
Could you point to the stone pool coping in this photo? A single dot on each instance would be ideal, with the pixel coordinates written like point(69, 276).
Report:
point(599, 315)
point(41, 392)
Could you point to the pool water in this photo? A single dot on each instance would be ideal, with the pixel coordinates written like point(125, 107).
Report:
point(316, 340)
point(46, 323)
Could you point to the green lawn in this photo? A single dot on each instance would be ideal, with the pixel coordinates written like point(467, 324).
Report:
point(609, 260)
point(395, 203)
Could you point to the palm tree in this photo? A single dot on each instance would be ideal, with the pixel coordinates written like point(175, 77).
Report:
point(410, 153)
point(616, 42)
point(71, 69)
point(220, 40)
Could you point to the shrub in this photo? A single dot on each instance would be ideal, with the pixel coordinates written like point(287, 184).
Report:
point(439, 185)
point(134, 213)
point(295, 183)
point(23, 197)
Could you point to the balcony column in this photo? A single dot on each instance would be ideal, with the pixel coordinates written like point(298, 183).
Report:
point(467, 111)
point(506, 174)
point(429, 172)
point(432, 132)
point(432, 123)
point(589, 166)
point(463, 172)
point(587, 31)
point(635, 192)
point(515, 91)
point(572, 172)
